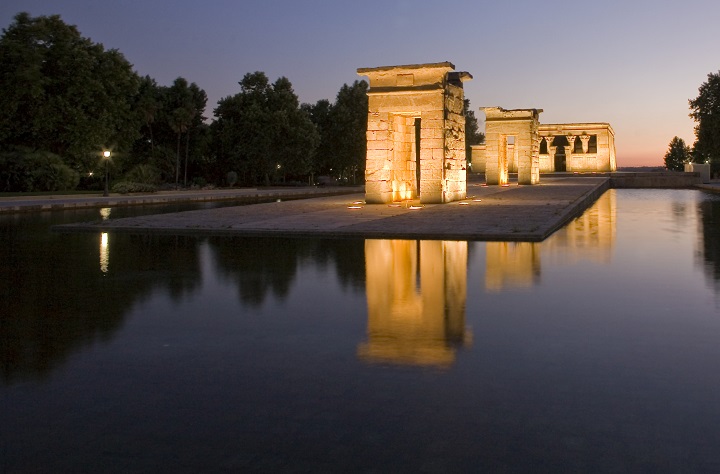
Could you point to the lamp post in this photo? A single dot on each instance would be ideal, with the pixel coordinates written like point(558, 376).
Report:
point(106, 155)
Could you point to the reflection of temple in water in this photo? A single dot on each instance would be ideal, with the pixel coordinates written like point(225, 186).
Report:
point(511, 265)
point(589, 237)
point(416, 293)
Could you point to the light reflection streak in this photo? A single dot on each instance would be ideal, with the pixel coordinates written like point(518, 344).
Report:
point(104, 252)
point(590, 237)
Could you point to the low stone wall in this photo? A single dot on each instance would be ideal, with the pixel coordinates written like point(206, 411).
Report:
point(666, 179)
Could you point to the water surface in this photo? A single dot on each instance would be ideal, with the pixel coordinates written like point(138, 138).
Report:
point(596, 350)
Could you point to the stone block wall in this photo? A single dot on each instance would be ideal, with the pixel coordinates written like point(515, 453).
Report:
point(477, 158)
point(455, 160)
point(431, 96)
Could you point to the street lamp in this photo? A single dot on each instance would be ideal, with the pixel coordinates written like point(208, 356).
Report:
point(106, 155)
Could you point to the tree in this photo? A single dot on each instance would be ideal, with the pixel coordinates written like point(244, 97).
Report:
point(262, 132)
point(347, 137)
point(705, 110)
point(320, 116)
point(31, 170)
point(677, 155)
point(294, 150)
point(184, 106)
point(63, 93)
point(473, 136)
point(148, 104)
point(179, 122)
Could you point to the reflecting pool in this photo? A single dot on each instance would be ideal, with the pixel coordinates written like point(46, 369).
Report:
point(596, 350)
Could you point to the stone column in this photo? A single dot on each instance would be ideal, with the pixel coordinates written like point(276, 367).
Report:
point(552, 149)
point(585, 139)
point(548, 141)
point(571, 146)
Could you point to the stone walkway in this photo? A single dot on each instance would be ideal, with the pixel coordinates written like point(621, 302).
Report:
point(59, 202)
point(518, 213)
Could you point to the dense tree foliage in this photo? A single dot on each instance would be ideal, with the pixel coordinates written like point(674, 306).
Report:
point(320, 116)
point(342, 127)
point(348, 120)
point(677, 155)
point(24, 169)
point(705, 109)
point(173, 132)
point(64, 94)
point(262, 133)
point(184, 107)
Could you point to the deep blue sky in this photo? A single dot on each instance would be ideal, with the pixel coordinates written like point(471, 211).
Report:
point(633, 63)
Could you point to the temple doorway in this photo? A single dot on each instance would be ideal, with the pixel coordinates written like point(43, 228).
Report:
point(562, 150)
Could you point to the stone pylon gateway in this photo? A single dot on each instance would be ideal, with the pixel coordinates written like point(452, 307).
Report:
point(415, 134)
point(512, 131)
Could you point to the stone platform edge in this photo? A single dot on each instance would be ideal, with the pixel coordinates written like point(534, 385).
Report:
point(579, 206)
point(573, 210)
point(38, 204)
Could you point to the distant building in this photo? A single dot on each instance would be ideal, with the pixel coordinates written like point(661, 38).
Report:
point(515, 142)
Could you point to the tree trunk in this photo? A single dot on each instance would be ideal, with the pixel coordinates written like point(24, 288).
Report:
point(187, 148)
point(152, 140)
point(177, 163)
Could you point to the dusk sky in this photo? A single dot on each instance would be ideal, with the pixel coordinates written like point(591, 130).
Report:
point(631, 63)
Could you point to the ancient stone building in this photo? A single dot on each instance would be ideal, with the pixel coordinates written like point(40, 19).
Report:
point(572, 147)
point(511, 140)
point(582, 147)
point(415, 134)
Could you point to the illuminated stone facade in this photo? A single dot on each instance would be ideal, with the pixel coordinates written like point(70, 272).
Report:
point(511, 139)
point(415, 134)
point(581, 147)
point(571, 147)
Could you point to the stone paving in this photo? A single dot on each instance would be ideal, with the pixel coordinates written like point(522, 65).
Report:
point(518, 213)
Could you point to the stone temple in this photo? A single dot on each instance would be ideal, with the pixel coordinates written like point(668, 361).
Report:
point(415, 133)
point(416, 138)
point(516, 142)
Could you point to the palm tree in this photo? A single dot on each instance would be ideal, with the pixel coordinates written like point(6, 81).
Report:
point(148, 105)
point(180, 121)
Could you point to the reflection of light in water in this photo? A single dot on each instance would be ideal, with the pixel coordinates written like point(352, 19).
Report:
point(104, 252)
point(511, 265)
point(416, 294)
point(588, 237)
point(105, 213)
